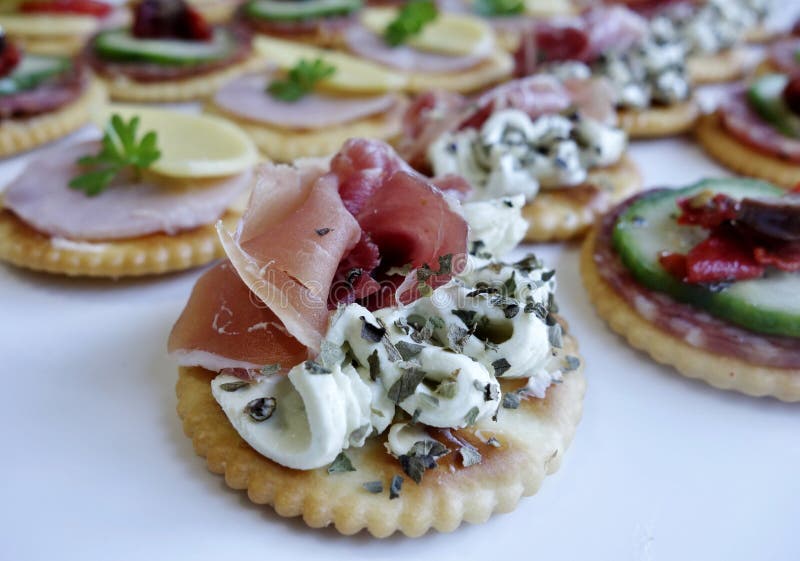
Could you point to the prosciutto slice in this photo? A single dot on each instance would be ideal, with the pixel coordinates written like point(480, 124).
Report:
point(129, 208)
point(299, 251)
point(370, 46)
point(246, 98)
point(224, 325)
point(749, 128)
point(288, 246)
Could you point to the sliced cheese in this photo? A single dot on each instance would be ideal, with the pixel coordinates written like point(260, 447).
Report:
point(448, 34)
point(352, 75)
point(47, 25)
point(192, 145)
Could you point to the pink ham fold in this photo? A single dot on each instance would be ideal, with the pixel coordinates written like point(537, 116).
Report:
point(289, 244)
point(224, 325)
point(298, 251)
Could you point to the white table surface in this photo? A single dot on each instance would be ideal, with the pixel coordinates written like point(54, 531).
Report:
point(94, 463)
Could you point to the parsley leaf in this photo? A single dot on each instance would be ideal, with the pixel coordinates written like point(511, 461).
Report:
point(120, 150)
point(499, 7)
point(301, 79)
point(410, 20)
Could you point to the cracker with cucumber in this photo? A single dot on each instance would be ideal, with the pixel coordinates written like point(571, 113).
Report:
point(756, 130)
point(705, 279)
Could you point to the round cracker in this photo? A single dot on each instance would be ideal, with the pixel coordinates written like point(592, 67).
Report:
point(724, 66)
point(720, 371)
point(495, 69)
point(25, 247)
point(20, 134)
point(51, 46)
point(560, 214)
point(286, 145)
point(760, 34)
point(122, 88)
point(659, 121)
point(741, 158)
point(532, 440)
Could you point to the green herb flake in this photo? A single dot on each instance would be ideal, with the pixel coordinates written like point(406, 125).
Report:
point(341, 464)
point(301, 80)
point(323, 231)
point(421, 457)
point(330, 354)
point(374, 365)
point(270, 370)
point(233, 386)
point(511, 400)
point(467, 316)
point(315, 368)
point(261, 408)
point(395, 487)
point(408, 350)
point(447, 388)
point(406, 385)
point(573, 363)
point(491, 392)
point(493, 442)
point(469, 456)
point(501, 366)
point(410, 20)
point(119, 151)
point(371, 333)
point(373, 487)
point(472, 416)
point(554, 336)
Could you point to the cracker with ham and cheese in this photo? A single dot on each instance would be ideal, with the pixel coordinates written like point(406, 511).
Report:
point(333, 271)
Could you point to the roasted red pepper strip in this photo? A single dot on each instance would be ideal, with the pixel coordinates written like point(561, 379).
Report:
point(723, 256)
point(9, 56)
point(169, 19)
point(707, 210)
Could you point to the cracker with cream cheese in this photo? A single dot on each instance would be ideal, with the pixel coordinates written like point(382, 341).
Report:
point(659, 121)
point(532, 440)
point(714, 68)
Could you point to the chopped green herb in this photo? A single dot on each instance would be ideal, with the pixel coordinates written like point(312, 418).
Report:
point(395, 487)
point(233, 386)
point(330, 354)
point(371, 333)
point(472, 416)
point(573, 363)
point(554, 335)
point(511, 400)
point(469, 456)
point(374, 365)
point(301, 80)
point(501, 366)
point(315, 368)
point(448, 387)
point(120, 150)
point(457, 337)
point(357, 436)
point(430, 400)
point(421, 457)
point(410, 20)
point(467, 316)
point(341, 464)
point(408, 350)
point(406, 384)
point(491, 392)
point(270, 370)
point(373, 487)
point(261, 409)
point(493, 442)
point(323, 231)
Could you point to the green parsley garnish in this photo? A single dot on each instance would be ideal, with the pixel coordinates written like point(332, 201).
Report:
point(499, 7)
point(410, 20)
point(301, 80)
point(120, 150)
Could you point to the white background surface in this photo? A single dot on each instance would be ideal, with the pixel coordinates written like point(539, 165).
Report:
point(94, 464)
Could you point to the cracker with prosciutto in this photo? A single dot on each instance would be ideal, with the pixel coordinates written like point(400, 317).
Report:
point(535, 132)
point(317, 388)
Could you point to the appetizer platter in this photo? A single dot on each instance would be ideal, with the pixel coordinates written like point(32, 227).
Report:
point(344, 277)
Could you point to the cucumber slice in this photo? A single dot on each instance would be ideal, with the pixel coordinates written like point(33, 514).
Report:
point(120, 44)
point(768, 305)
point(288, 10)
point(32, 71)
point(766, 98)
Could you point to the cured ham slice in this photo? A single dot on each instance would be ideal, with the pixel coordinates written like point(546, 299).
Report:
point(129, 208)
point(298, 252)
point(288, 246)
point(370, 46)
point(747, 127)
point(246, 98)
point(224, 325)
